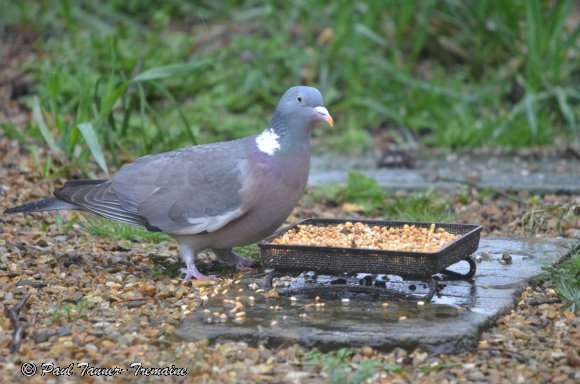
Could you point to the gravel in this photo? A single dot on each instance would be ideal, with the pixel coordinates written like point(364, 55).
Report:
point(96, 301)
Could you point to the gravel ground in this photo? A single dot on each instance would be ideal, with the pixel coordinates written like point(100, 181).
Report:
point(99, 301)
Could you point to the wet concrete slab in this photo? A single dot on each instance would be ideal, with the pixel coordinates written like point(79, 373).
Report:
point(451, 322)
point(501, 173)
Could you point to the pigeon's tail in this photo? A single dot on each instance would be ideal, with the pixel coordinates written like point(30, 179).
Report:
point(96, 196)
point(51, 204)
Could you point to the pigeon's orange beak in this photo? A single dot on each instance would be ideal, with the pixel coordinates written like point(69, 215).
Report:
point(324, 115)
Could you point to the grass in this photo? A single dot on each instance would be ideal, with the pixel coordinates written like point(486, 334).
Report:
point(338, 369)
point(251, 250)
point(564, 277)
point(119, 79)
point(118, 231)
point(71, 311)
point(537, 218)
point(364, 192)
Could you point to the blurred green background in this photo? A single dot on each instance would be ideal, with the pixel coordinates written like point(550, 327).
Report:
point(115, 79)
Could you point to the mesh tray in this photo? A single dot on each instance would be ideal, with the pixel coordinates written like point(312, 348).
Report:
point(332, 260)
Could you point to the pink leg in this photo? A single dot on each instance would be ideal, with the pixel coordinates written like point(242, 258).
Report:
point(191, 272)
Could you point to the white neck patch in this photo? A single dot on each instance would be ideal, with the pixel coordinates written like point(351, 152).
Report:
point(267, 141)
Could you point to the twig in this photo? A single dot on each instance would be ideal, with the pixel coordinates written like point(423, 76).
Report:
point(519, 356)
point(12, 314)
point(534, 303)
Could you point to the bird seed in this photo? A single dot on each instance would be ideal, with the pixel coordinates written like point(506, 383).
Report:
point(408, 238)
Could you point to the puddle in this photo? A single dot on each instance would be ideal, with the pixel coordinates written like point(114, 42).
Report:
point(328, 318)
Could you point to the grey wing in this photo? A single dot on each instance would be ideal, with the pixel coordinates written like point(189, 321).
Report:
point(189, 191)
point(98, 197)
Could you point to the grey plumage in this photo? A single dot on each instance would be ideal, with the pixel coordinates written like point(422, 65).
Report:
point(219, 195)
point(50, 204)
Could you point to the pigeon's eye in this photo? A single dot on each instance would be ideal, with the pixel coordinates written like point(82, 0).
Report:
point(299, 99)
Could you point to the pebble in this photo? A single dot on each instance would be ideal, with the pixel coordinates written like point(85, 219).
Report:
point(366, 351)
point(31, 283)
point(506, 258)
point(272, 294)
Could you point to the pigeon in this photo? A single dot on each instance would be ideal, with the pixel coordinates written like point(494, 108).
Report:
point(214, 196)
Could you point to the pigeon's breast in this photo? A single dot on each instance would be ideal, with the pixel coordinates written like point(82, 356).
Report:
point(274, 192)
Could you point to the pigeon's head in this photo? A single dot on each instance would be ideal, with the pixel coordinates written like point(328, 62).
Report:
point(303, 105)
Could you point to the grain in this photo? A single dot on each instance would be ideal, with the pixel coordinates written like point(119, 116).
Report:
point(408, 238)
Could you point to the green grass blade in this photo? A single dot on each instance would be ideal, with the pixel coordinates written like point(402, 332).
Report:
point(367, 32)
point(108, 102)
point(168, 71)
point(565, 108)
point(535, 29)
point(94, 146)
point(529, 103)
point(39, 120)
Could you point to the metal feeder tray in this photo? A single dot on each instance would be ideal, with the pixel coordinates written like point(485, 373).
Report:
point(286, 259)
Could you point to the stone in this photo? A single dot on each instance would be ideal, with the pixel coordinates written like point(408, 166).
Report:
point(148, 290)
point(440, 174)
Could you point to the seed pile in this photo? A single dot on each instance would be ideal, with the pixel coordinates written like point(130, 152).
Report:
point(408, 238)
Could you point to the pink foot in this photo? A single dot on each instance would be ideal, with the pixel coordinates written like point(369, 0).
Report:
point(194, 273)
point(191, 271)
